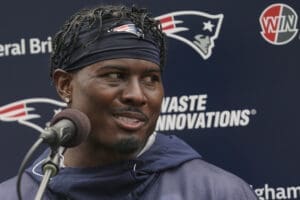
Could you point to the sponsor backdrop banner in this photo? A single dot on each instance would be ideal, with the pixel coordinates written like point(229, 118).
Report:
point(232, 83)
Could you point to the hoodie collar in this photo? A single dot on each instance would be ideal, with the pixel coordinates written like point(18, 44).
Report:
point(127, 177)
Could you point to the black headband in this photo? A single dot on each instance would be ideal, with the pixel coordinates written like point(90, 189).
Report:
point(122, 41)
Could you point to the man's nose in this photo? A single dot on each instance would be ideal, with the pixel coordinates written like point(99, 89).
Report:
point(133, 93)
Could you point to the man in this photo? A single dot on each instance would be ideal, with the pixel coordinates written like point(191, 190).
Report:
point(107, 63)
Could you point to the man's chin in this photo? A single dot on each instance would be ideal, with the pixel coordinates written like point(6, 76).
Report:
point(128, 146)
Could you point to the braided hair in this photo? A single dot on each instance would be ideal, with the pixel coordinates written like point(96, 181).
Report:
point(66, 40)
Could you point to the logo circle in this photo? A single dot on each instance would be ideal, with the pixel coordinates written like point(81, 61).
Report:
point(279, 24)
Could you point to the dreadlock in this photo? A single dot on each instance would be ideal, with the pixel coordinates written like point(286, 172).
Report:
point(66, 40)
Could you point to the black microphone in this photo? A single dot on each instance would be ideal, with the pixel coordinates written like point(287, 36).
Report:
point(68, 128)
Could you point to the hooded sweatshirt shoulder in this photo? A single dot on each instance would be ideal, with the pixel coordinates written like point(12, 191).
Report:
point(29, 187)
point(197, 179)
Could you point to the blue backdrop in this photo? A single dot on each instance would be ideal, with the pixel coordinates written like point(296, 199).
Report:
point(231, 80)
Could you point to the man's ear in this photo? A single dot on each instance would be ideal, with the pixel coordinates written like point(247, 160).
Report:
point(62, 81)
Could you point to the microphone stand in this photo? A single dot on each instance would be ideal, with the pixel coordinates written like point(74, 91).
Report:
point(50, 169)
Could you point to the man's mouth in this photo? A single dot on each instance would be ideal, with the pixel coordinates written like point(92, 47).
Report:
point(131, 121)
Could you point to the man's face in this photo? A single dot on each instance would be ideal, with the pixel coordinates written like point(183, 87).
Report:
point(122, 98)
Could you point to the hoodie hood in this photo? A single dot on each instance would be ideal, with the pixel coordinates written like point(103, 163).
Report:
point(122, 180)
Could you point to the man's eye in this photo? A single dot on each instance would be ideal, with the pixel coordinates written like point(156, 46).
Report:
point(151, 79)
point(114, 75)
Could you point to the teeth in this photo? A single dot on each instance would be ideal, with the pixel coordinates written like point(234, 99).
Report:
point(129, 120)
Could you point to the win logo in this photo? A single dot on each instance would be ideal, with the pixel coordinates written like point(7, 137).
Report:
point(279, 24)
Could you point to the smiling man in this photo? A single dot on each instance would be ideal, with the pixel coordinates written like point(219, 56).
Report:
point(122, 98)
point(107, 63)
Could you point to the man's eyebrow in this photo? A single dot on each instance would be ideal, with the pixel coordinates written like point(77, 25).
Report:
point(153, 69)
point(109, 66)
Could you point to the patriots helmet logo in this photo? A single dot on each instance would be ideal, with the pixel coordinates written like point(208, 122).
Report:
point(197, 29)
point(31, 112)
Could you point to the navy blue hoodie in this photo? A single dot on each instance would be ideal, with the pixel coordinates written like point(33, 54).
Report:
point(169, 170)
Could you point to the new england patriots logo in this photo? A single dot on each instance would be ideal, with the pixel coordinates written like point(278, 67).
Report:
point(30, 111)
point(196, 29)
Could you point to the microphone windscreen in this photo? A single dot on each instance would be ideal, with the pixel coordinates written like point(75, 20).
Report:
point(81, 122)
